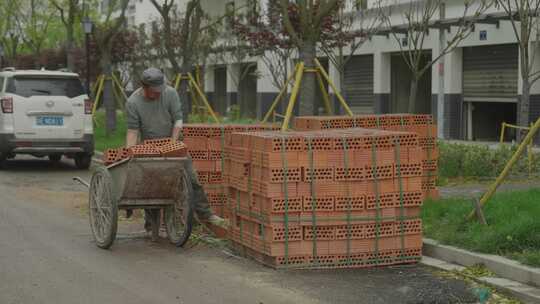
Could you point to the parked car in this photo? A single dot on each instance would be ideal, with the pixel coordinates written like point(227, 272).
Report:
point(45, 114)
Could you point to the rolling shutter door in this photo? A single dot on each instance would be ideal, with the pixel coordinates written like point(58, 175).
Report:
point(490, 73)
point(359, 83)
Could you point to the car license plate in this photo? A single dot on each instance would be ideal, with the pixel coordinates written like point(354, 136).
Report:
point(50, 121)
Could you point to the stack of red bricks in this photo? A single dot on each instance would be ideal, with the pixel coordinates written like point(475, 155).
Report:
point(326, 199)
point(206, 144)
point(421, 124)
point(149, 148)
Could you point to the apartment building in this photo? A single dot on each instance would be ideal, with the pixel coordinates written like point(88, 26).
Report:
point(471, 90)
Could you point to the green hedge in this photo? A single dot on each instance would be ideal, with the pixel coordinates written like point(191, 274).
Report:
point(480, 161)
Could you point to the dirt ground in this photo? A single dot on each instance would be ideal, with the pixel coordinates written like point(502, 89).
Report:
point(48, 256)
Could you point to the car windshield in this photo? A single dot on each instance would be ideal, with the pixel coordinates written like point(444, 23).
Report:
point(28, 86)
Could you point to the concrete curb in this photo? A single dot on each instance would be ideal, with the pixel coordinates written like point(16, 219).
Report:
point(522, 292)
point(503, 267)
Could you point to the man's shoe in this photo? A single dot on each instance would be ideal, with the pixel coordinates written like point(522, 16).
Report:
point(216, 221)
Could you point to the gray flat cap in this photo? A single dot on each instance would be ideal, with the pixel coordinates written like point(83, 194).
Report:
point(153, 77)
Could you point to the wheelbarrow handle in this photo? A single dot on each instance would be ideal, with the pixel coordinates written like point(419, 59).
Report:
point(81, 181)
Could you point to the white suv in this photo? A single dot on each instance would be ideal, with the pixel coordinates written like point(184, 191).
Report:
point(45, 113)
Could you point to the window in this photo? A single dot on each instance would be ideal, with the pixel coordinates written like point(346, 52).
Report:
point(27, 86)
point(2, 80)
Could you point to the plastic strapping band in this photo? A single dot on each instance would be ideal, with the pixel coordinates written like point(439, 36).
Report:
point(348, 193)
point(286, 192)
point(313, 203)
point(239, 219)
point(377, 198)
point(222, 148)
point(401, 205)
point(429, 147)
point(249, 192)
point(222, 164)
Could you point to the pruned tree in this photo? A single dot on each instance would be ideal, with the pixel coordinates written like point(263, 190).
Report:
point(417, 18)
point(264, 35)
point(33, 19)
point(186, 37)
point(354, 24)
point(305, 23)
point(69, 15)
point(523, 16)
point(104, 35)
point(302, 26)
point(9, 32)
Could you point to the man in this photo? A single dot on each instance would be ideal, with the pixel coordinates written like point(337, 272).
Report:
point(155, 111)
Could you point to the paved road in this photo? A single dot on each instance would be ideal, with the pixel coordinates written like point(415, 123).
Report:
point(47, 256)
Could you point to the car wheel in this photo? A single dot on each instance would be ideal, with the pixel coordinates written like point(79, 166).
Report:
point(55, 157)
point(83, 161)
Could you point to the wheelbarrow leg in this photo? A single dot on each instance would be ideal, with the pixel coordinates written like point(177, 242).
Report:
point(155, 216)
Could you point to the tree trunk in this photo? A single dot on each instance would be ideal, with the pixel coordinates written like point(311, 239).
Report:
point(183, 91)
point(412, 95)
point(70, 58)
point(523, 116)
point(309, 83)
point(108, 97)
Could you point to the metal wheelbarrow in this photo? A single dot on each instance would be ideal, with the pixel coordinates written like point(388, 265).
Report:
point(152, 184)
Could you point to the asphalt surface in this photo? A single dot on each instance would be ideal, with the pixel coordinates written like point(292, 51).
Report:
point(47, 256)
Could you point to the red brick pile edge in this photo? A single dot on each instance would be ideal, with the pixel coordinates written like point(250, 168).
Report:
point(149, 148)
point(421, 124)
point(338, 198)
point(206, 146)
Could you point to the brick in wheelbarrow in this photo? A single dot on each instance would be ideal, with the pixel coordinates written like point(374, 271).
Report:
point(144, 151)
point(176, 149)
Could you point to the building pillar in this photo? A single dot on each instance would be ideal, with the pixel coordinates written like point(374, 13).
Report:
point(534, 99)
point(233, 79)
point(452, 118)
point(381, 82)
point(209, 84)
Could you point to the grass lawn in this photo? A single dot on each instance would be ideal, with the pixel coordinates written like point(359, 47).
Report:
point(115, 140)
point(513, 225)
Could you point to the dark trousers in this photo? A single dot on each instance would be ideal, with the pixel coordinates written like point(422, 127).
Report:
point(199, 199)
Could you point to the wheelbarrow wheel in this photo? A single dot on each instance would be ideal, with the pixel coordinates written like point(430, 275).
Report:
point(179, 217)
point(103, 208)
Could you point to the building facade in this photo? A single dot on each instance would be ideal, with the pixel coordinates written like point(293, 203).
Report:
point(471, 90)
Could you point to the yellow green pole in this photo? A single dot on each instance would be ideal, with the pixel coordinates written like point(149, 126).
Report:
point(99, 85)
point(119, 86)
point(177, 82)
point(203, 97)
point(529, 158)
point(294, 94)
point(324, 93)
point(195, 98)
point(280, 95)
point(522, 146)
point(339, 97)
point(502, 132)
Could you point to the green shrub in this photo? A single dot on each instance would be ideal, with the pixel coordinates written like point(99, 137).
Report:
point(480, 161)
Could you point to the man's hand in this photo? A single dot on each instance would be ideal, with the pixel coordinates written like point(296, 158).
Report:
point(176, 134)
point(177, 131)
point(132, 137)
